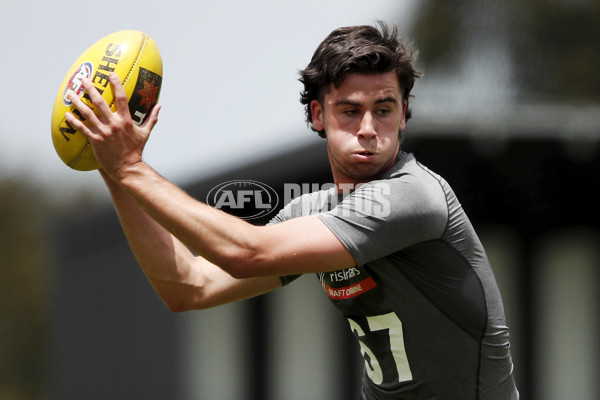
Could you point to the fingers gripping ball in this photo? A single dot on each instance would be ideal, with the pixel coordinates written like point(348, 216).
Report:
point(135, 58)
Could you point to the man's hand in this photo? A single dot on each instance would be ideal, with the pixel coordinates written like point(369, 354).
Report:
point(115, 139)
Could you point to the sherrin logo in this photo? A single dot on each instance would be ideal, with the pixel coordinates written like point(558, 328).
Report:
point(247, 199)
point(74, 84)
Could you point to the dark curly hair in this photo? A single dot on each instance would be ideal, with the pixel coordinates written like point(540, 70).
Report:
point(362, 49)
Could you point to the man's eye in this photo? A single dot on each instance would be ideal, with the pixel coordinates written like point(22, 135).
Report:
point(383, 111)
point(350, 112)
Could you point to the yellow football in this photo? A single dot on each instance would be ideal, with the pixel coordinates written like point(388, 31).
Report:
point(135, 58)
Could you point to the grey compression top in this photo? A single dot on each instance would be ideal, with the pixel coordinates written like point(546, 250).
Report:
point(422, 300)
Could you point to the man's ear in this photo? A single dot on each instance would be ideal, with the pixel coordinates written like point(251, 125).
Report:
point(403, 120)
point(317, 115)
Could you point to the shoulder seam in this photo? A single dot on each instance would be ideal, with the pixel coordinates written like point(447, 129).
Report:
point(437, 179)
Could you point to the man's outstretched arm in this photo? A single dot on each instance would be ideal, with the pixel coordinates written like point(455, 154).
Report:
point(241, 249)
point(183, 280)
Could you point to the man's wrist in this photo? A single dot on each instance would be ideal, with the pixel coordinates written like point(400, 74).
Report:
point(124, 175)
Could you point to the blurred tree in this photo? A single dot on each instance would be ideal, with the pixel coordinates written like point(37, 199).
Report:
point(437, 33)
point(23, 290)
point(558, 45)
point(554, 45)
point(28, 212)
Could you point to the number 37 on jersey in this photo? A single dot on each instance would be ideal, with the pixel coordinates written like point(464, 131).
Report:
point(382, 345)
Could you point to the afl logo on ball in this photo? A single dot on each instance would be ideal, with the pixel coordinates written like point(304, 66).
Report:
point(74, 84)
point(245, 199)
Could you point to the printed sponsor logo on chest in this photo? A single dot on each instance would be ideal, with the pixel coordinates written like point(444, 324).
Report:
point(346, 283)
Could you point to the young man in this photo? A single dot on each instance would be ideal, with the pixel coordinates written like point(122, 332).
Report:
point(390, 243)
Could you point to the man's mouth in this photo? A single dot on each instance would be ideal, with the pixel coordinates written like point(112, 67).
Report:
point(364, 155)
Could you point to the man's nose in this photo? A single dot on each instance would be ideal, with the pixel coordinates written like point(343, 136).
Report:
point(367, 126)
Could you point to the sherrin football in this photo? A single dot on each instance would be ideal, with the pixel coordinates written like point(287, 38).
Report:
point(135, 58)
